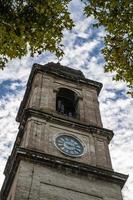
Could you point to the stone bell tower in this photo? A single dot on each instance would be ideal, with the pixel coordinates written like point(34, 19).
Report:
point(61, 150)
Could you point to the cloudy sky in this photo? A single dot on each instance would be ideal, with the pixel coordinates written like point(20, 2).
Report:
point(82, 51)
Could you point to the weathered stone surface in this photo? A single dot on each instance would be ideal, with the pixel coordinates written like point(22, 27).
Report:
point(40, 135)
point(43, 96)
point(43, 83)
point(40, 182)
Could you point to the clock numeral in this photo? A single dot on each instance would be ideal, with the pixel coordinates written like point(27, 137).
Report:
point(69, 145)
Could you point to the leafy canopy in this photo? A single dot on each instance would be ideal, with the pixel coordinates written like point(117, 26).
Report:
point(32, 25)
point(117, 18)
point(37, 25)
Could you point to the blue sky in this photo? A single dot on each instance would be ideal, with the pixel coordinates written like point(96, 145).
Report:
point(82, 47)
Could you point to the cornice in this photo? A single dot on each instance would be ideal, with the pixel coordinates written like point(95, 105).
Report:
point(60, 120)
point(66, 121)
point(66, 73)
point(58, 163)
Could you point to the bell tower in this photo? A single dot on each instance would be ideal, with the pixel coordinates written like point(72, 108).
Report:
point(61, 150)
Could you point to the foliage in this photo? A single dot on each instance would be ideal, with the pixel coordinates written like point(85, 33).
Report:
point(117, 18)
point(37, 25)
point(32, 25)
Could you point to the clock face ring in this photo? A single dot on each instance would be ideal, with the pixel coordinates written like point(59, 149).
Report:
point(69, 145)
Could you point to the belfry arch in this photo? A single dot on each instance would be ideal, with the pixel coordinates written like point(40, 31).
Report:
point(67, 102)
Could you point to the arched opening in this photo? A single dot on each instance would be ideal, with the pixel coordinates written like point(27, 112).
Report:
point(67, 102)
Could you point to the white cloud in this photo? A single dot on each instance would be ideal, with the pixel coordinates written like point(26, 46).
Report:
point(8, 129)
point(116, 107)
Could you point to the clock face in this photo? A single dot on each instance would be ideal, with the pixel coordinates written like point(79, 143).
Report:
point(69, 145)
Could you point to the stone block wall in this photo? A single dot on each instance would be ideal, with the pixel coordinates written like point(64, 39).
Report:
point(43, 96)
point(39, 135)
point(38, 182)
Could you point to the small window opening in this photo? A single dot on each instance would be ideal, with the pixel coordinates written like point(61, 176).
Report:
point(67, 102)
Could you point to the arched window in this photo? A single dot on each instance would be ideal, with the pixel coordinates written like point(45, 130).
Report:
point(67, 102)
